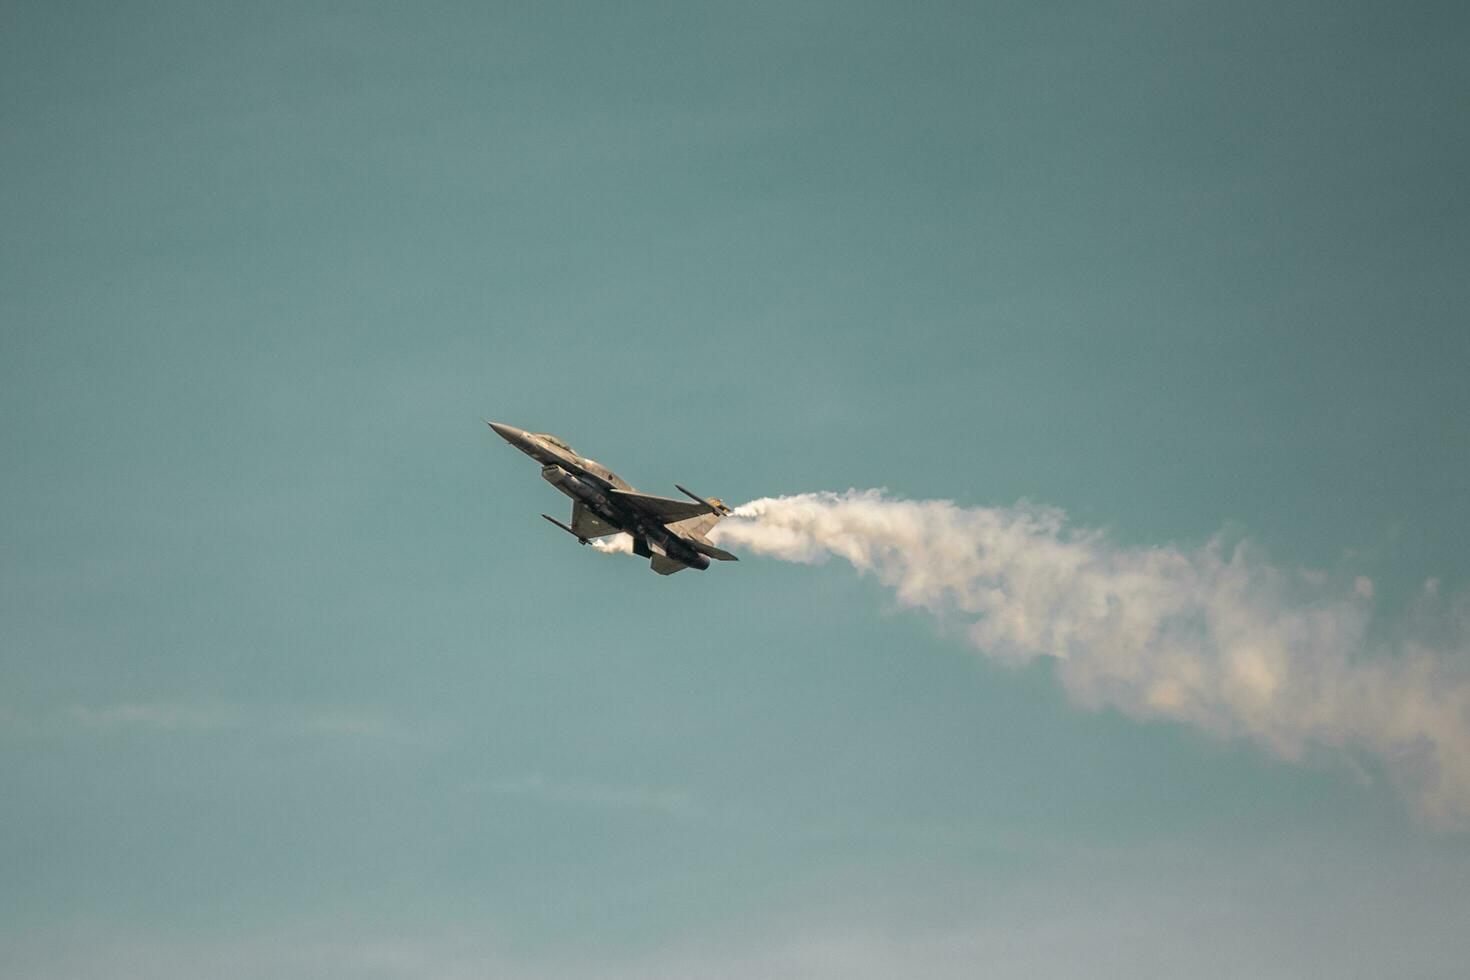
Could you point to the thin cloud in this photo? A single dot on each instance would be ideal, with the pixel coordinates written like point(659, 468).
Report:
point(1151, 911)
point(199, 717)
point(595, 795)
point(162, 716)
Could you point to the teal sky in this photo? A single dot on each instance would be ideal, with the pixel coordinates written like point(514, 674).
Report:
point(295, 683)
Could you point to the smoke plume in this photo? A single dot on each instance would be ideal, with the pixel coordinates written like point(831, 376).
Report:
point(618, 544)
point(1214, 636)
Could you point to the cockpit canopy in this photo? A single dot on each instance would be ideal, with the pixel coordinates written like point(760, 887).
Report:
point(590, 465)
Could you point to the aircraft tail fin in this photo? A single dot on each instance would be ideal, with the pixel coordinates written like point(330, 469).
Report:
point(695, 527)
point(693, 531)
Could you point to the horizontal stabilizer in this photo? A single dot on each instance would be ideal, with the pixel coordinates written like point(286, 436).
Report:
point(665, 565)
point(704, 547)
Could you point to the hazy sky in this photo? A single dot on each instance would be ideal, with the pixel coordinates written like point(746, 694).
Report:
point(295, 683)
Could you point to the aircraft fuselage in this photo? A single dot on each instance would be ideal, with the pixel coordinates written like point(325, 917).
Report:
point(591, 491)
point(592, 485)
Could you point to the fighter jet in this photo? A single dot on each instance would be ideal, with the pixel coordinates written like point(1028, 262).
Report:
point(670, 533)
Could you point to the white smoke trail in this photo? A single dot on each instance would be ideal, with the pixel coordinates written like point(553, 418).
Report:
point(1213, 636)
point(617, 544)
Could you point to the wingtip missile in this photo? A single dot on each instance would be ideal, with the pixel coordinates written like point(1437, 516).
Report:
point(580, 539)
point(715, 504)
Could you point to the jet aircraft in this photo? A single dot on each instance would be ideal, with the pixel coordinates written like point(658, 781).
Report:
point(670, 533)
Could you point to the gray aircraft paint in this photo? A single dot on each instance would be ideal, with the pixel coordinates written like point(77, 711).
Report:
point(670, 533)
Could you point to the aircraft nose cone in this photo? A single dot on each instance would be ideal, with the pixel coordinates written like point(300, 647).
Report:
point(507, 432)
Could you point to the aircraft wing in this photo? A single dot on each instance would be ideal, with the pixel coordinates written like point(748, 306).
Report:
point(661, 509)
point(586, 524)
